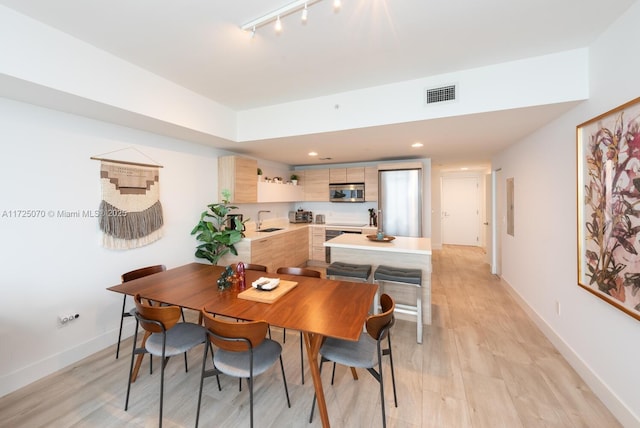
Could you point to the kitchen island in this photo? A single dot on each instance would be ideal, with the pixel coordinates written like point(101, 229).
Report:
point(402, 252)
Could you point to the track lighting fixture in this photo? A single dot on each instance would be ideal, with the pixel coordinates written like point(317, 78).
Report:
point(276, 15)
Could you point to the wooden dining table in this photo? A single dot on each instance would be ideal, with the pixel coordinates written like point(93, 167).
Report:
point(317, 307)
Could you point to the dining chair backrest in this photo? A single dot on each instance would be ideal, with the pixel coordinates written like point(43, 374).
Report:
point(251, 266)
point(377, 325)
point(130, 276)
point(168, 316)
point(139, 273)
point(299, 272)
point(253, 331)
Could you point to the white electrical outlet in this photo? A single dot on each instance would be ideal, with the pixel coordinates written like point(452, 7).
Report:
point(65, 318)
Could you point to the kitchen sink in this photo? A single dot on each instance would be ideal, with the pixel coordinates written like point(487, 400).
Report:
point(269, 229)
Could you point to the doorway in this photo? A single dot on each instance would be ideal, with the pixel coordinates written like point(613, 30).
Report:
point(461, 210)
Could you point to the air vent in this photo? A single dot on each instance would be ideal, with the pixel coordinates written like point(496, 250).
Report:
point(441, 94)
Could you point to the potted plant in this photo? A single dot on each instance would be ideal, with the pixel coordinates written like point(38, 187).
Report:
point(259, 174)
point(294, 179)
point(210, 230)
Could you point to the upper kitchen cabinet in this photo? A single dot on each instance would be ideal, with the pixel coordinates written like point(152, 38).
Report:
point(347, 175)
point(355, 175)
point(238, 175)
point(338, 175)
point(316, 185)
point(371, 183)
point(279, 192)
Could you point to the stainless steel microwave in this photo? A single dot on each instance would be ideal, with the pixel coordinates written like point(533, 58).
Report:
point(346, 192)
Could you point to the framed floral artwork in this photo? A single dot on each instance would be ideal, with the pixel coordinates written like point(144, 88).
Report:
point(608, 149)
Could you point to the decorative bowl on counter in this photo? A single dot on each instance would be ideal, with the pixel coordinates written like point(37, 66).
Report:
point(386, 238)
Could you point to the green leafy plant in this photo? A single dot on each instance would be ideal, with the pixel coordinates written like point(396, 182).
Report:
point(210, 230)
point(259, 171)
point(293, 177)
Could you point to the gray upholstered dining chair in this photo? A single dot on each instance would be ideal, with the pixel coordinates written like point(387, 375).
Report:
point(167, 338)
point(367, 352)
point(300, 272)
point(130, 276)
point(244, 352)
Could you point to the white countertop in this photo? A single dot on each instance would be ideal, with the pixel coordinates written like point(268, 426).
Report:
point(401, 244)
point(252, 235)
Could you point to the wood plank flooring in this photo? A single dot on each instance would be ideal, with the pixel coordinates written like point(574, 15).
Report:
point(483, 363)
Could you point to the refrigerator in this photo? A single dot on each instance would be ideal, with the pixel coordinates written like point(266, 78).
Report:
point(400, 202)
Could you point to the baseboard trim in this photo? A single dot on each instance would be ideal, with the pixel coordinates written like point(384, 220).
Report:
point(25, 375)
point(624, 415)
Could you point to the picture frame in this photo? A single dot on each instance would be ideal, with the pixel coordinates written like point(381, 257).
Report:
point(608, 198)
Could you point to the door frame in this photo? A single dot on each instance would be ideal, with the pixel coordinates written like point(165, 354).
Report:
point(479, 175)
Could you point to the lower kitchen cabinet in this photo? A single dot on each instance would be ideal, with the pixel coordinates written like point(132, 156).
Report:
point(316, 243)
point(284, 249)
point(296, 245)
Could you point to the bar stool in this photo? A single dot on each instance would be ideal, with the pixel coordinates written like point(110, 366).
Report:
point(349, 271)
point(402, 276)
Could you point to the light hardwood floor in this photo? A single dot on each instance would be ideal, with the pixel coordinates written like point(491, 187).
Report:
point(483, 363)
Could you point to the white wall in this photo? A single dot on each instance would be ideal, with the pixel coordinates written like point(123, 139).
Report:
point(540, 261)
point(51, 264)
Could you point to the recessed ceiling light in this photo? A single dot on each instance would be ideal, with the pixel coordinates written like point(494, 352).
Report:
point(417, 144)
point(464, 168)
point(313, 154)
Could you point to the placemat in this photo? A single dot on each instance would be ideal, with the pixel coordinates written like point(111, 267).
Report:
point(256, 295)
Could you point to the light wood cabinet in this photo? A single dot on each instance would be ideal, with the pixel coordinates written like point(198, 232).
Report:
point(316, 243)
point(270, 252)
point(316, 185)
point(238, 175)
point(284, 249)
point(346, 175)
point(355, 175)
point(287, 248)
point(296, 245)
point(337, 175)
point(371, 183)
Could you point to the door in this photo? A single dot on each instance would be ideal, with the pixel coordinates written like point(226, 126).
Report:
point(487, 223)
point(460, 210)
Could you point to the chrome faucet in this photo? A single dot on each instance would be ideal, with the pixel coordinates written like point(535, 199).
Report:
point(259, 225)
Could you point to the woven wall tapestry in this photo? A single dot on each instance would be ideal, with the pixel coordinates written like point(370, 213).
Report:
point(130, 211)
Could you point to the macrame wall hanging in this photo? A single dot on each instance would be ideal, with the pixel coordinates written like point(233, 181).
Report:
point(130, 210)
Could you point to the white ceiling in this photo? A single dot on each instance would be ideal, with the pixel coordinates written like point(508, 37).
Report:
point(198, 45)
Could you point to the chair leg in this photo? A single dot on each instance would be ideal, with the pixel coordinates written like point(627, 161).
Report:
point(204, 374)
point(313, 404)
point(163, 364)
point(384, 417)
point(301, 359)
point(204, 362)
point(333, 372)
point(122, 316)
point(133, 357)
point(284, 379)
point(393, 376)
point(251, 400)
